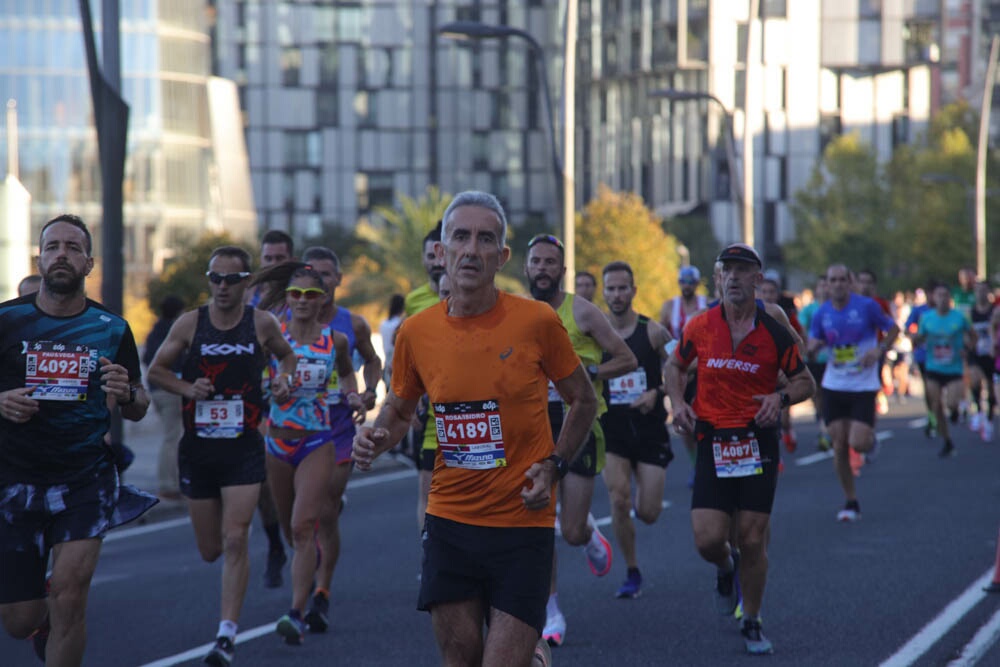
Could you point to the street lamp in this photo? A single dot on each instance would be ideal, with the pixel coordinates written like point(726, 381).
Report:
point(736, 184)
point(474, 30)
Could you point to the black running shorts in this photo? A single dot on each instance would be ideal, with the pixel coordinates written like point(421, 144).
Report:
point(754, 493)
point(208, 464)
point(857, 406)
point(638, 438)
point(508, 568)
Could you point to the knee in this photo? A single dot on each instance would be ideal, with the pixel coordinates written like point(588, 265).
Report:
point(648, 515)
point(709, 545)
point(577, 535)
point(234, 542)
point(210, 552)
point(303, 531)
point(68, 600)
point(25, 621)
point(753, 548)
point(621, 501)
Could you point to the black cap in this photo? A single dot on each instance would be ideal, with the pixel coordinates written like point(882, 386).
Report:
point(739, 252)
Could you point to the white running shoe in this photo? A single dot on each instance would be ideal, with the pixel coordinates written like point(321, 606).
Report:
point(975, 422)
point(555, 629)
point(987, 432)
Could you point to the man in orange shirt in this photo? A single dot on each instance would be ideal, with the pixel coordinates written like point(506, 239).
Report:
point(484, 357)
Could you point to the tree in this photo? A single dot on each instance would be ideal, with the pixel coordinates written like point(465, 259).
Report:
point(184, 275)
point(619, 226)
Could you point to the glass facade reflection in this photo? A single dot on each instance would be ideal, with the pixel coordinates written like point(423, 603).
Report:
point(170, 167)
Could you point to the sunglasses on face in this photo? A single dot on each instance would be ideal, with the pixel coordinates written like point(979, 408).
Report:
point(545, 238)
point(688, 282)
point(228, 278)
point(308, 293)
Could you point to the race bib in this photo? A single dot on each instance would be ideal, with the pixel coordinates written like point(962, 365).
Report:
point(219, 418)
point(333, 395)
point(58, 371)
point(470, 435)
point(845, 356)
point(736, 456)
point(626, 389)
point(984, 345)
point(943, 354)
point(311, 374)
point(554, 396)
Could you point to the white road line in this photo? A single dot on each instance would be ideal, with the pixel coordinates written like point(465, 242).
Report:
point(124, 533)
point(809, 459)
point(974, 651)
point(360, 480)
point(606, 520)
point(917, 423)
point(931, 633)
point(200, 651)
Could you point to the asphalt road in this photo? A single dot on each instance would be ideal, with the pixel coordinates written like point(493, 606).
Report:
point(900, 587)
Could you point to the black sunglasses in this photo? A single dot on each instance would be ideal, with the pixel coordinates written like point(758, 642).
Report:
point(545, 238)
point(228, 278)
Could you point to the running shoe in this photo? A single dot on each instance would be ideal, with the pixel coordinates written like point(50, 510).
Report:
point(975, 422)
point(756, 642)
point(738, 613)
point(987, 432)
point(791, 443)
point(824, 443)
point(947, 450)
point(543, 654)
point(555, 629)
point(856, 461)
point(632, 586)
point(316, 617)
point(221, 654)
point(930, 428)
point(40, 637)
point(850, 513)
point(291, 627)
point(727, 593)
point(276, 560)
point(881, 404)
point(598, 551)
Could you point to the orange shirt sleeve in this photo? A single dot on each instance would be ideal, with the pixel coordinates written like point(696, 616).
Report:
point(406, 382)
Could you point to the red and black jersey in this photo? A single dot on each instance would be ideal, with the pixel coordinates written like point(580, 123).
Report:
point(728, 378)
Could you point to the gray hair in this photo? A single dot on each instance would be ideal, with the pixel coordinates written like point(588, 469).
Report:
point(482, 200)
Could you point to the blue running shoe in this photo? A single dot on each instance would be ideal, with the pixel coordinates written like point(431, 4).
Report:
point(632, 586)
point(291, 627)
point(756, 642)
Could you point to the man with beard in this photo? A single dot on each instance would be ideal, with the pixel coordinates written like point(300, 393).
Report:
point(635, 423)
point(426, 295)
point(221, 456)
point(678, 310)
point(592, 338)
point(484, 356)
point(63, 360)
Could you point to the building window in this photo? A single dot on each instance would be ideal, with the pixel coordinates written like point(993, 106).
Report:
point(480, 151)
point(302, 148)
point(774, 9)
point(697, 39)
point(741, 43)
point(329, 64)
point(739, 88)
point(610, 56)
point(364, 107)
point(291, 65)
point(900, 130)
point(327, 112)
point(664, 45)
point(373, 189)
point(829, 128)
point(635, 57)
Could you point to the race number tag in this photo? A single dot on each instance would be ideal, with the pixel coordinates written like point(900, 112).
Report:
point(736, 456)
point(219, 418)
point(469, 435)
point(333, 395)
point(310, 374)
point(984, 345)
point(627, 388)
point(943, 354)
point(554, 396)
point(58, 371)
point(845, 356)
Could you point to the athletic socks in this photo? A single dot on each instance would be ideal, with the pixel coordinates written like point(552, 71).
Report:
point(227, 629)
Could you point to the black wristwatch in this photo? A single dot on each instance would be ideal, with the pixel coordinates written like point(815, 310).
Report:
point(592, 371)
point(561, 466)
point(786, 400)
point(131, 396)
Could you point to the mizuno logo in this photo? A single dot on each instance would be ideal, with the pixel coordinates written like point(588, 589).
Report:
point(225, 349)
point(506, 353)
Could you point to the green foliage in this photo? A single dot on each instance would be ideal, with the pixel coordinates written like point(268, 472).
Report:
point(619, 226)
point(184, 275)
point(695, 232)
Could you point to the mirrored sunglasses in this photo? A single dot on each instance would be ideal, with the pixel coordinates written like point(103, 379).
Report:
point(309, 293)
point(228, 278)
point(545, 238)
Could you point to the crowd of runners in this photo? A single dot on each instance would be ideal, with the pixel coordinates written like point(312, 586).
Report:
point(510, 406)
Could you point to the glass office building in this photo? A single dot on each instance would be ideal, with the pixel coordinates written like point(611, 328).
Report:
point(182, 172)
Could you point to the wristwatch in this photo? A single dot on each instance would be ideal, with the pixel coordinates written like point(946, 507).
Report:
point(786, 400)
point(592, 371)
point(131, 396)
point(561, 466)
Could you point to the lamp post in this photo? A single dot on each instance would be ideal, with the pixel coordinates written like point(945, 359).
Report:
point(736, 183)
point(563, 171)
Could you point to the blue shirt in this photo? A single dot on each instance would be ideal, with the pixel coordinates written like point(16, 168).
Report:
point(849, 333)
point(945, 340)
point(919, 351)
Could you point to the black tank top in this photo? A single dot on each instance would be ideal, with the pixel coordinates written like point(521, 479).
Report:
point(233, 361)
point(649, 363)
point(981, 327)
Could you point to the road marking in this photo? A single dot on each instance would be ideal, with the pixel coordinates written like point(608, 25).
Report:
point(360, 482)
point(200, 651)
point(917, 423)
point(931, 633)
point(606, 520)
point(974, 651)
point(809, 459)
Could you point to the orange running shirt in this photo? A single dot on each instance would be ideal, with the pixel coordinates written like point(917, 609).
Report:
point(487, 378)
point(728, 379)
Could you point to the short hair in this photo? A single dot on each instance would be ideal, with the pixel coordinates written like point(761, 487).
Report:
point(232, 251)
point(870, 273)
point(320, 252)
point(171, 307)
point(397, 304)
point(74, 220)
point(276, 236)
point(619, 266)
point(435, 233)
point(586, 274)
point(480, 199)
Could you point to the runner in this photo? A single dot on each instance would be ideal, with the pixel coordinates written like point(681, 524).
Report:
point(344, 410)
point(426, 295)
point(585, 285)
point(488, 538)
point(635, 424)
point(848, 325)
point(770, 293)
point(167, 405)
point(740, 352)
point(300, 459)
point(29, 285)
point(867, 285)
point(221, 456)
point(920, 306)
point(946, 332)
point(592, 337)
point(981, 361)
point(817, 366)
point(64, 359)
point(387, 332)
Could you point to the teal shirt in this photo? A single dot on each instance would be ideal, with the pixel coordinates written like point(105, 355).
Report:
point(944, 340)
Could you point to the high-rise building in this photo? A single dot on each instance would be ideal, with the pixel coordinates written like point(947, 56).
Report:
point(183, 173)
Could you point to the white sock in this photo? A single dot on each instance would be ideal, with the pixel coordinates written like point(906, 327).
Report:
point(552, 607)
point(227, 629)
